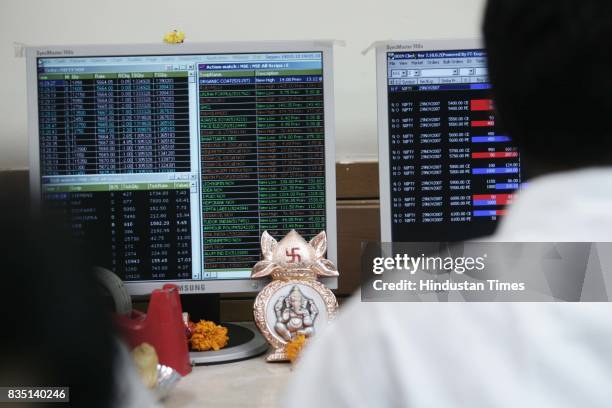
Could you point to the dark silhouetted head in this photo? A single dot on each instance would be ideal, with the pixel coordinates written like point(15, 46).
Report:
point(56, 330)
point(550, 63)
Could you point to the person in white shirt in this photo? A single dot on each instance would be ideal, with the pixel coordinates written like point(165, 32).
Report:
point(551, 68)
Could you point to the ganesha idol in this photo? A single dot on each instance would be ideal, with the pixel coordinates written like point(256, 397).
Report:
point(295, 303)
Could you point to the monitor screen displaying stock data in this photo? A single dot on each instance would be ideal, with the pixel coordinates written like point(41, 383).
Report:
point(174, 165)
point(452, 168)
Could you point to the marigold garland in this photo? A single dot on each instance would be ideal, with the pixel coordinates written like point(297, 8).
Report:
point(294, 347)
point(174, 37)
point(207, 335)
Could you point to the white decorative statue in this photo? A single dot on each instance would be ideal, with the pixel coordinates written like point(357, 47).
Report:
point(295, 303)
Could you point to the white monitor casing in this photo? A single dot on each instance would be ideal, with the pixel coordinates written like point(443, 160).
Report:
point(194, 286)
point(383, 111)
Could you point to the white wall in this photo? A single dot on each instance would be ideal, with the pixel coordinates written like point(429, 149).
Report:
point(359, 22)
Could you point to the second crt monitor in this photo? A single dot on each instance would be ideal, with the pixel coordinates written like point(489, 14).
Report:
point(447, 169)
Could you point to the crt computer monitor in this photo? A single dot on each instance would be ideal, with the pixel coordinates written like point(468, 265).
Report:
point(174, 159)
point(447, 169)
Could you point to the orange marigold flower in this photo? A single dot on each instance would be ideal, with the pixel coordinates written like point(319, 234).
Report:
point(207, 335)
point(294, 347)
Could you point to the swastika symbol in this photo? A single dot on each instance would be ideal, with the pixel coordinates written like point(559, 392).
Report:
point(294, 255)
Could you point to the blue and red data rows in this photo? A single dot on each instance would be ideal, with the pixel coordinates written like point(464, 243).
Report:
point(492, 200)
point(482, 105)
point(489, 213)
point(485, 200)
point(478, 105)
point(495, 155)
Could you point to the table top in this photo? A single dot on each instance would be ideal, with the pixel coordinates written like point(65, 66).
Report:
point(253, 383)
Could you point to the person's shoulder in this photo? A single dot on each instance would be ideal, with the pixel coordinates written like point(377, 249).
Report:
point(379, 350)
point(418, 313)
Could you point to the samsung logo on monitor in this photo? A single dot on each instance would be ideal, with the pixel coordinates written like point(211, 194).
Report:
point(191, 287)
point(51, 53)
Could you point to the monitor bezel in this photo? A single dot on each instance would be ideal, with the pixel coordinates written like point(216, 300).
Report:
point(383, 111)
point(190, 286)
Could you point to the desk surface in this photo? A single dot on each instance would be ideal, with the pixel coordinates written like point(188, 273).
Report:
point(252, 383)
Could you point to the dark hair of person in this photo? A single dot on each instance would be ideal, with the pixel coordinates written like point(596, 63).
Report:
point(56, 330)
point(550, 62)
